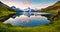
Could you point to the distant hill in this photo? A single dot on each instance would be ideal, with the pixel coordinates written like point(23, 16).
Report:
point(55, 9)
point(20, 10)
point(5, 12)
point(16, 9)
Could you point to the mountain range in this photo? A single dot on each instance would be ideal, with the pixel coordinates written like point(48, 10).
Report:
point(20, 10)
point(55, 9)
point(16, 9)
point(29, 9)
point(6, 12)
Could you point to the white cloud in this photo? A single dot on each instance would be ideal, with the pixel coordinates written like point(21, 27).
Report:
point(39, 6)
point(23, 6)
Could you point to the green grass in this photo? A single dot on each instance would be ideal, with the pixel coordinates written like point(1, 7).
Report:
point(55, 27)
point(4, 15)
point(5, 12)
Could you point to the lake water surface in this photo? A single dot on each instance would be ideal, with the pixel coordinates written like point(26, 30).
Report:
point(26, 19)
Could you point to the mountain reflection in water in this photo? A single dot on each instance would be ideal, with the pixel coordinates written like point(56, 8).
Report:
point(24, 20)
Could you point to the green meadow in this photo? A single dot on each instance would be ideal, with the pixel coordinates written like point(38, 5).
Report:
point(54, 27)
point(6, 12)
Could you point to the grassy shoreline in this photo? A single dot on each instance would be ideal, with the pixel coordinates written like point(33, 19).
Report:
point(55, 27)
point(4, 16)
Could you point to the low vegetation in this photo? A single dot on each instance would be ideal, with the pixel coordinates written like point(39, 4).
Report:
point(54, 26)
point(5, 12)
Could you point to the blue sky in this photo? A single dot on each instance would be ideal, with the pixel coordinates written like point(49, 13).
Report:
point(31, 3)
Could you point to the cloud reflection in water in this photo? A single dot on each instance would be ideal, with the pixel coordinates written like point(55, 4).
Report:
point(23, 20)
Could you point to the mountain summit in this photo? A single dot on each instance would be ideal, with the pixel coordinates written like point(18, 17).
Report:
point(58, 2)
point(29, 9)
point(1, 3)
